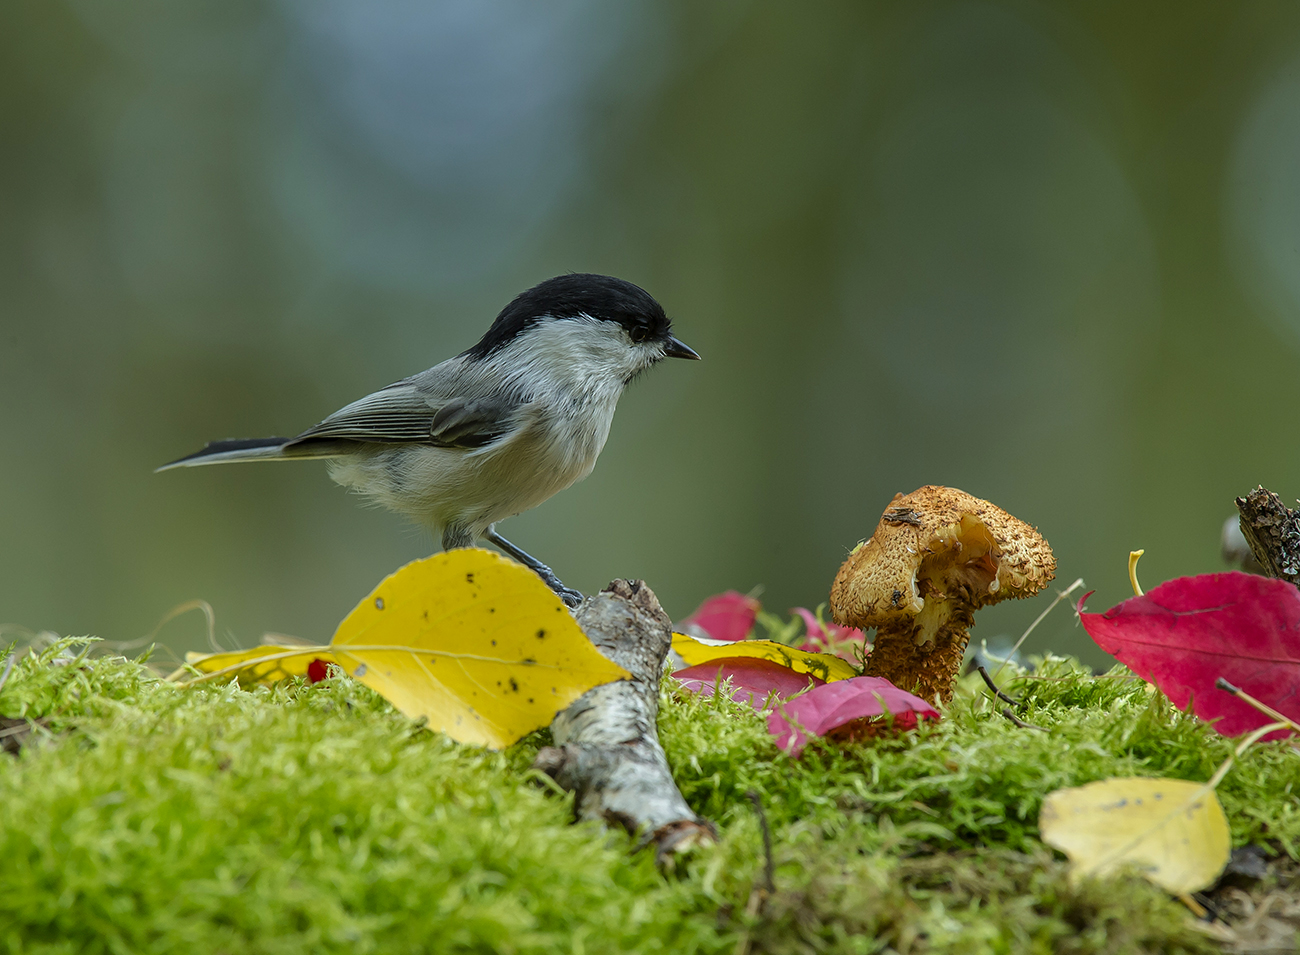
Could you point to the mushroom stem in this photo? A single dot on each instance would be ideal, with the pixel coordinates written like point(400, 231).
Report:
point(926, 669)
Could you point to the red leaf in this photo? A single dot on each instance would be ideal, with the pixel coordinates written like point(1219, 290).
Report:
point(833, 706)
point(753, 680)
point(1185, 633)
point(317, 670)
point(726, 616)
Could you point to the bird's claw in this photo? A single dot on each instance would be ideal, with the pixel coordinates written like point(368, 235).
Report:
point(570, 596)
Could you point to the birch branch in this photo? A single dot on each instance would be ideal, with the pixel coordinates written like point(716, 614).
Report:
point(607, 748)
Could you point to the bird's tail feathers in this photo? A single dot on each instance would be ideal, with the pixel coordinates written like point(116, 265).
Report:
point(233, 450)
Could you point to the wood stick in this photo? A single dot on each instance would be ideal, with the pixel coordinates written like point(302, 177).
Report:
point(988, 681)
point(607, 749)
point(1273, 532)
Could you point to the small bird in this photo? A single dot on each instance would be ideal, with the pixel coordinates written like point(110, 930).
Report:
point(498, 429)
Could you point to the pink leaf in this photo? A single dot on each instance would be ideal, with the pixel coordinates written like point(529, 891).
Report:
point(815, 630)
point(1185, 633)
point(832, 638)
point(835, 706)
point(726, 616)
point(753, 680)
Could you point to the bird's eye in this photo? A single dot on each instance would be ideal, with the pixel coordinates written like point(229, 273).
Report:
point(639, 333)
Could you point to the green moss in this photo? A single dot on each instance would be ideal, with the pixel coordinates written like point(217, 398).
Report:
point(302, 818)
point(299, 819)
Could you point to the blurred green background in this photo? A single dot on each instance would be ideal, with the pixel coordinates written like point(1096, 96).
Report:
point(1048, 253)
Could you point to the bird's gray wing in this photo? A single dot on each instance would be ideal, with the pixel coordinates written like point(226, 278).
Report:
point(406, 413)
point(473, 422)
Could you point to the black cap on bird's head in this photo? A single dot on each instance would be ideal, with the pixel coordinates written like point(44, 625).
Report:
point(580, 294)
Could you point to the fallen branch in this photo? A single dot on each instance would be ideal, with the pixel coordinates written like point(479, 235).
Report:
point(1273, 532)
point(607, 748)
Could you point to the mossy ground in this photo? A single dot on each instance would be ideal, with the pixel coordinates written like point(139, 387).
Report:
point(151, 818)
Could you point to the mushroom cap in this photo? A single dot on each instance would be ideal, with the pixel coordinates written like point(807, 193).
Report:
point(942, 543)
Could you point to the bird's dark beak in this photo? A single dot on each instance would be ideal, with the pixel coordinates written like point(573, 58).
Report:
point(677, 349)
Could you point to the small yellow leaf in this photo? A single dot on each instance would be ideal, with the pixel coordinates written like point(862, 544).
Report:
point(1173, 831)
point(825, 666)
point(473, 642)
point(265, 664)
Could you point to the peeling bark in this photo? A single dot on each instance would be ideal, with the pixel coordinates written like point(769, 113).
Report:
point(1273, 532)
point(607, 748)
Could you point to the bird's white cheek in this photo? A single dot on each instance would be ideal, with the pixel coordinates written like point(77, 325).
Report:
point(579, 356)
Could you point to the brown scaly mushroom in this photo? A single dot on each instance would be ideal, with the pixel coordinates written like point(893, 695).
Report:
point(937, 556)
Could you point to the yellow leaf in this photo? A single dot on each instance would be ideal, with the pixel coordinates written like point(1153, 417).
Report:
point(1173, 831)
point(825, 666)
point(265, 664)
point(473, 642)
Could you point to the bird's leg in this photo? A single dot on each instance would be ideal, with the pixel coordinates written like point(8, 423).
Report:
point(455, 536)
point(570, 596)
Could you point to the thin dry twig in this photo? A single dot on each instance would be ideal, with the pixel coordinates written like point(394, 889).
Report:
point(14, 730)
point(1062, 679)
point(988, 681)
point(1264, 708)
point(1006, 711)
point(1196, 908)
point(1060, 595)
point(769, 868)
point(208, 614)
